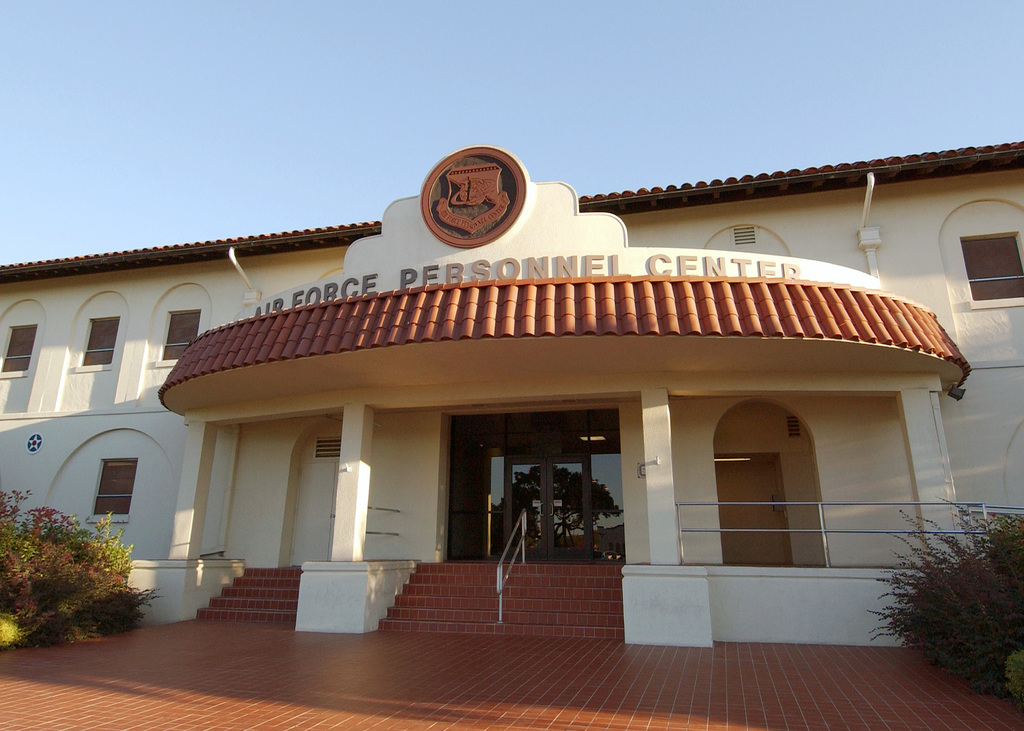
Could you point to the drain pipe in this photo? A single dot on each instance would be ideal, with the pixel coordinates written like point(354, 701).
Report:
point(252, 296)
point(867, 200)
point(868, 237)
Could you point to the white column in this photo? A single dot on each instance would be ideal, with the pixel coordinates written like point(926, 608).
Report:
point(193, 491)
point(352, 493)
point(222, 480)
point(925, 443)
point(662, 524)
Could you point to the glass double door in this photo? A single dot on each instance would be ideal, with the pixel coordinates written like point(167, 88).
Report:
point(555, 492)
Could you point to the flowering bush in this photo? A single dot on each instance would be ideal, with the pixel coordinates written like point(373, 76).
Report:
point(960, 600)
point(60, 582)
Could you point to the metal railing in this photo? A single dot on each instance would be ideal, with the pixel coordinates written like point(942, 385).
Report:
point(520, 548)
point(382, 532)
point(981, 510)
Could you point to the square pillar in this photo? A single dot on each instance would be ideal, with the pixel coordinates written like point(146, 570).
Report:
point(662, 522)
point(925, 440)
point(193, 491)
point(352, 492)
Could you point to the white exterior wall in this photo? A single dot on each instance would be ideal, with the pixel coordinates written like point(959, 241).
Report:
point(853, 443)
point(410, 473)
point(87, 414)
point(920, 225)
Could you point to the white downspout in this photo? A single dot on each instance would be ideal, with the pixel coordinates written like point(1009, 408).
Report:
point(868, 238)
point(253, 295)
point(867, 200)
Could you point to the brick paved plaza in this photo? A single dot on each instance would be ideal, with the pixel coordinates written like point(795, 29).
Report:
point(223, 675)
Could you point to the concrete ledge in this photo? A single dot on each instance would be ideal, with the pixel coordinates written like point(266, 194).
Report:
point(350, 597)
point(666, 605)
point(692, 606)
point(802, 605)
point(182, 587)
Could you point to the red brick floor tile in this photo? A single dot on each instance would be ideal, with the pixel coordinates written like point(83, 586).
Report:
point(194, 676)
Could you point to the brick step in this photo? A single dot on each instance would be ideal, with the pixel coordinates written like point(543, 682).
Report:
point(258, 595)
point(476, 577)
point(518, 584)
point(493, 628)
point(544, 600)
point(513, 603)
point(414, 588)
point(488, 577)
point(579, 619)
point(489, 570)
point(277, 605)
point(266, 582)
point(286, 572)
point(250, 592)
point(246, 615)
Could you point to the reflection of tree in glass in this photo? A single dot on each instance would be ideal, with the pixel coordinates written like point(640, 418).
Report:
point(567, 484)
point(526, 489)
point(569, 519)
point(603, 506)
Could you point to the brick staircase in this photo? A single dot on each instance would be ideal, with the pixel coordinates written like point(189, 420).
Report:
point(258, 595)
point(541, 599)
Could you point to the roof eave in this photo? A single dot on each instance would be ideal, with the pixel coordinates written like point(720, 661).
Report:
point(185, 254)
point(799, 182)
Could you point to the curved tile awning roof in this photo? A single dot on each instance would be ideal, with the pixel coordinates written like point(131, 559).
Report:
point(644, 306)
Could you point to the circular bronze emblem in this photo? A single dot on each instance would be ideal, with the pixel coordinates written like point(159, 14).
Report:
point(473, 196)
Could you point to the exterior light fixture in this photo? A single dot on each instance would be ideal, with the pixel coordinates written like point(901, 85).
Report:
point(956, 392)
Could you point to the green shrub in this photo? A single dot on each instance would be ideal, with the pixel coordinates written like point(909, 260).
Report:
point(959, 599)
point(1015, 677)
point(10, 633)
point(61, 582)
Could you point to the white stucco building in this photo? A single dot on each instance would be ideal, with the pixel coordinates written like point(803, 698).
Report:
point(361, 398)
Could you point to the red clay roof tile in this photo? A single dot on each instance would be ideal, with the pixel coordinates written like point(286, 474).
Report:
point(552, 308)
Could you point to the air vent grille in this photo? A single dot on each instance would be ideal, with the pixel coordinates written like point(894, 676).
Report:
point(328, 448)
point(793, 426)
point(744, 236)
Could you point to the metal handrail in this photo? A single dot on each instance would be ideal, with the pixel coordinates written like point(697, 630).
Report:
point(980, 508)
point(502, 578)
point(382, 532)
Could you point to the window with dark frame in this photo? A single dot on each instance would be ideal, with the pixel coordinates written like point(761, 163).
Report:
point(19, 348)
point(181, 330)
point(117, 480)
point(99, 350)
point(993, 267)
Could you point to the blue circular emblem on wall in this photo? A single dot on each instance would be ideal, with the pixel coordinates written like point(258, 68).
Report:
point(34, 443)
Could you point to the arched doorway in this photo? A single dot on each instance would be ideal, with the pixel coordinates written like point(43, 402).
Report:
point(764, 455)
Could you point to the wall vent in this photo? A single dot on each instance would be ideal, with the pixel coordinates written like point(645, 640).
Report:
point(793, 426)
point(744, 235)
point(327, 448)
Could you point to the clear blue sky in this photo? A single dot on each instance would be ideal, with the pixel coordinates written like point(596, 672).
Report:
point(130, 125)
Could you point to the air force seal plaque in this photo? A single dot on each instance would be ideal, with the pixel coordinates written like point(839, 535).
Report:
point(473, 196)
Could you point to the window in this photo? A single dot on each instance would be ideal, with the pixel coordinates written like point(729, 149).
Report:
point(102, 336)
point(181, 329)
point(19, 348)
point(117, 478)
point(994, 267)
